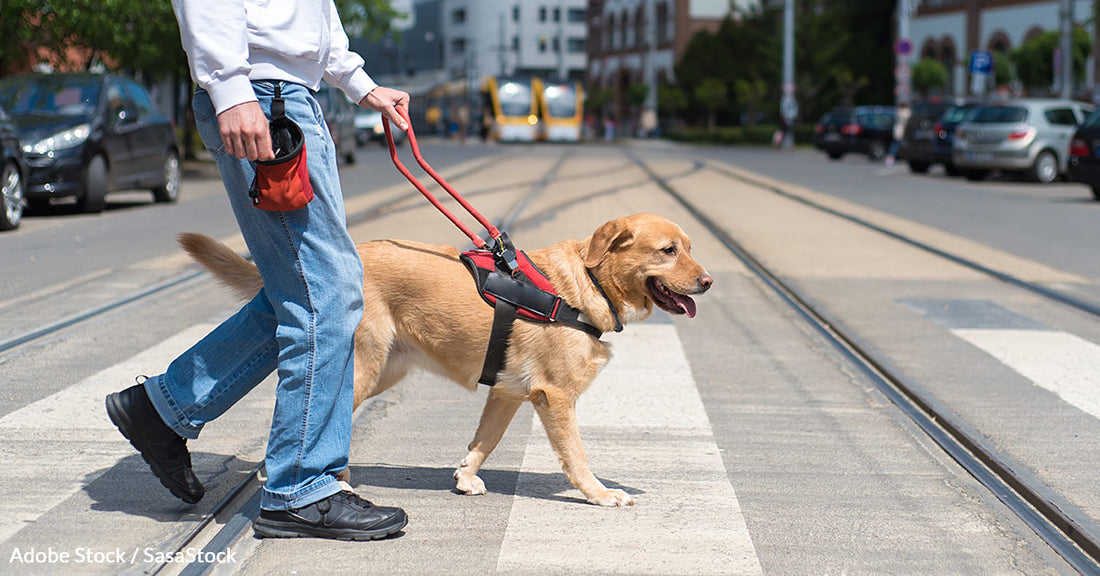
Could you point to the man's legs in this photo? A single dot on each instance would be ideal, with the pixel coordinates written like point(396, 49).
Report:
point(302, 321)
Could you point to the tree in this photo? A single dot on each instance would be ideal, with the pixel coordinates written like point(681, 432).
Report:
point(751, 94)
point(1033, 59)
point(671, 100)
point(928, 74)
point(712, 94)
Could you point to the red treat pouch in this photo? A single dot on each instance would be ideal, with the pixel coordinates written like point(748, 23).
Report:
point(282, 183)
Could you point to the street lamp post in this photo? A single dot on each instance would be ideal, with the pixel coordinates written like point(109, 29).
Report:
point(788, 105)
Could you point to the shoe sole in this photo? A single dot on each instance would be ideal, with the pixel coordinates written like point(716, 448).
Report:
point(121, 421)
point(274, 529)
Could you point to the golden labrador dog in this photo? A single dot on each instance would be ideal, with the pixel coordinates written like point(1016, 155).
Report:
point(422, 309)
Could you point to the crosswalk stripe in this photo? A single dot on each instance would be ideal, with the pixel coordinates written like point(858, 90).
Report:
point(1060, 362)
point(74, 440)
point(645, 431)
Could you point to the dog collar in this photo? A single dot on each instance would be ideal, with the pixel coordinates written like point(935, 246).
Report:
point(618, 324)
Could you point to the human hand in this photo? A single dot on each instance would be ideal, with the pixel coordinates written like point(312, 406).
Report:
point(386, 101)
point(245, 132)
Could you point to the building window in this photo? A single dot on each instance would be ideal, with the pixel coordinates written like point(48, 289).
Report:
point(609, 38)
point(458, 46)
point(575, 16)
point(557, 14)
point(515, 13)
point(556, 43)
point(458, 16)
point(663, 37)
point(515, 44)
point(574, 45)
point(542, 44)
point(542, 13)
point(640, 36)
point(624, 33)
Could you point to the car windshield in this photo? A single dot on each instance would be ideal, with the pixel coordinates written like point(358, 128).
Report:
point(561, 100)
point(956, 114)
point(48, 94)
point(999, 115)
point(515, 98)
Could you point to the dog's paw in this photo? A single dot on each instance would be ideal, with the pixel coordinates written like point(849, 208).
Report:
point(469, 484)
point(612, 498)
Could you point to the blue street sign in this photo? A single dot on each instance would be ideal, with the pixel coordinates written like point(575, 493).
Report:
point(981, 62)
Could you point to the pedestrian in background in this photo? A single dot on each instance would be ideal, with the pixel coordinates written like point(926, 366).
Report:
point(302, 321)
point(901, 118)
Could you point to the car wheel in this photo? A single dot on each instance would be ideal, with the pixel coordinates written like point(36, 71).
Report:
point(918, 167)
point(876, 151)
point(11, 197)
point(169, 189)
point(1045, 169)
point(835, 155)
point(95, 186)
point(951, 170)
point(975, 175)
point(1096, 193)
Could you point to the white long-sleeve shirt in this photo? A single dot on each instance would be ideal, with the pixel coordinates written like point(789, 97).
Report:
point(231, 42)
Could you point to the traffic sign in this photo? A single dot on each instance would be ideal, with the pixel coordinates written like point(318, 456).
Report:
point(981, 62)
point(903, 47)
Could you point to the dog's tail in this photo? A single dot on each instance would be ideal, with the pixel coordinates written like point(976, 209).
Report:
point(230, 268)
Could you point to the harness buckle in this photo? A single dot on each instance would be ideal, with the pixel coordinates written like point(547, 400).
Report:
point(504, 252)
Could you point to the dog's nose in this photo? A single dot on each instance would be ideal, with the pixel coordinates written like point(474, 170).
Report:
point(705, 281)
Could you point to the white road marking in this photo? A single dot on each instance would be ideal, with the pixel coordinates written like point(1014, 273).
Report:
point(645, 431)
point(1060, 362)
point(52, 448)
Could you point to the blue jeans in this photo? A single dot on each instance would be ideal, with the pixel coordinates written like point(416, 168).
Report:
point(301, 323)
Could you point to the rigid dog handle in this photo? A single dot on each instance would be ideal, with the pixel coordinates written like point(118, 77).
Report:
point(494, 233)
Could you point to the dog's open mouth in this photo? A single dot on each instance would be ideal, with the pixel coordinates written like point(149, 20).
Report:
point(668, 300)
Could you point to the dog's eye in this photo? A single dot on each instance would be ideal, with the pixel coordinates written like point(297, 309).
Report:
point(671, 250)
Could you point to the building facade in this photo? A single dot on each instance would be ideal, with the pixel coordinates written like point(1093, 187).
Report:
point(949, 30)
point(640, 42)
point(543, 38)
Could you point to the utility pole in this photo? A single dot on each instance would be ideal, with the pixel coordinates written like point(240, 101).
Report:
point(1066, 14)
point(903, 78)
point(648, 119)
point(788, 105)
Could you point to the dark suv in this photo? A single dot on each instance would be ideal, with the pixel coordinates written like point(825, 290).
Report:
point(929, 133)
point(864, 130)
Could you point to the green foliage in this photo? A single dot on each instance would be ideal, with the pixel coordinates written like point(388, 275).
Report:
point(1002, 69)
point(636, 94)
point(752, 95)
point(928, 74)
point(712, 95)
point(127, 35)
point(671, 99)
point(1033, 59)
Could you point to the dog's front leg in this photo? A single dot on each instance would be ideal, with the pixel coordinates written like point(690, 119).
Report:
point(499, 410)
point(558, 412)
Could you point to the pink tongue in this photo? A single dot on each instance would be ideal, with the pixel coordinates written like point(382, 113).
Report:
point(685, 303)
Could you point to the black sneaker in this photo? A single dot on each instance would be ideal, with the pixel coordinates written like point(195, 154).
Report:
point(342, 516)
point(163, 450)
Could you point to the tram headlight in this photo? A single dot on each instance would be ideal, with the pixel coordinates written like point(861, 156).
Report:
point(532, 119)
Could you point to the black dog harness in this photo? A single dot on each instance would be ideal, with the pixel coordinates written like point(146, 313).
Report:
point(509, 282)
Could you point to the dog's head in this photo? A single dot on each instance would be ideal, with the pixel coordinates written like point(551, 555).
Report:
point(645, 259)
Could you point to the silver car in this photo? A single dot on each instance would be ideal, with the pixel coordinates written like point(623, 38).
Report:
point(1029, 136)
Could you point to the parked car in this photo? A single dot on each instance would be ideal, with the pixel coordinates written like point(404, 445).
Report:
point(865, 129)
point(1084, 154)
point(339, 113)
point(929, 132)
point(368, 128)
point(85, 135)
point(13, 173)
point(1027, 136)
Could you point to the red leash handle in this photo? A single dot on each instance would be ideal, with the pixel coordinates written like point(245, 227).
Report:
point(478, 242)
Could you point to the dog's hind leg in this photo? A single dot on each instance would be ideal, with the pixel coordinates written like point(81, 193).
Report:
point(499, 410)
point(558, 412)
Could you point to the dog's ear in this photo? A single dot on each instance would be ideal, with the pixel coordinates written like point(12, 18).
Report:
point(612, 236)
